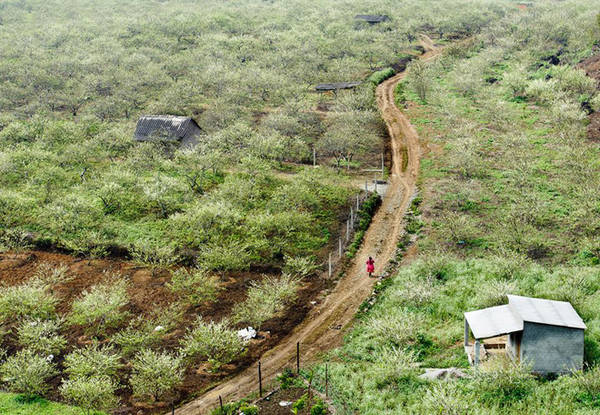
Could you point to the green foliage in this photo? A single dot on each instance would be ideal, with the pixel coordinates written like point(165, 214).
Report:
point(41, 336)
point(318, 408)
point(195, 285)
point(400, 94)
point(95, 393)
point(23, 405)
point(504, 382)
point(155, 374)
point(288, 379)
point(31, 300)
point(266, 298)
point(378, 77)
point(212, 341)
point(27, 372)
point(299, 404)
point(300, 266)
point(101, 307)
point(93, 361)
point(365, 215)
point(249, 409)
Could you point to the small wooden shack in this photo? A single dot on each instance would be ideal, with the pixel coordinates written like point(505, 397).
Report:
point(336, 85)
point(372, 18)
point(546, 334)
point(182, 130)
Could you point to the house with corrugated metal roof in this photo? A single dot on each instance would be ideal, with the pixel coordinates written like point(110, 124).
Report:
point(546, 334)
point(170, 128)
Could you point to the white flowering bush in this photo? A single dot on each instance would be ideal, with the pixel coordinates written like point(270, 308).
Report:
point(265, 299)
point(93, 360)
point(195, 285)
point(155, 374)
point(94, 393)
point(41, 336)
point(27, 372)
point(101, 307)
point(30, 300)
point(212, 341)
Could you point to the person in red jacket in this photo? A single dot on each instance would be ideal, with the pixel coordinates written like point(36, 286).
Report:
point(370, 266)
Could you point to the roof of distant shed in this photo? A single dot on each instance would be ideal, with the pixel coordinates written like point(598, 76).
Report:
point(174, 127)
point(371, 18)
point(336, 85)
point(510, 318)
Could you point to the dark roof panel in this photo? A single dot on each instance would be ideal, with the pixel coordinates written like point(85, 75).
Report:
point(168, 127)
point(371, 18)
point(336, 85)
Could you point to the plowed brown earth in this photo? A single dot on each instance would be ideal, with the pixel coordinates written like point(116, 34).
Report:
point(324, 326)
point(148, 294)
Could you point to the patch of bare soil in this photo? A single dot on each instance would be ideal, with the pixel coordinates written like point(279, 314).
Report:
point(149, 295)
point(591, 66)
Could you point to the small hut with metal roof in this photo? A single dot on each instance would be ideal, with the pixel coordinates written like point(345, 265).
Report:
point(182, 130)
point(372, 18)
point(546, 334)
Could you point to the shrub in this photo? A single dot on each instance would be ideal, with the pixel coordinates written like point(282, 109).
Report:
point(26, 372)
point(265, 299)
point(155, 374)
point(214, 342)
point(503, 381)
point(94, 393)
point(300, 266)
point(196, 285)
point(249, 409)
point(145, 332)
point(41, 336)
point(93, 361)
point(30, 300)
point(378, 77)
point(133, 339)
point(153, 256)
point(318, 408)
point(300, 404)
point(101, 307)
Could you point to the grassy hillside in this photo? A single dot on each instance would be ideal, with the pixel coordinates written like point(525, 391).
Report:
point(509, 203)
point(75, 75)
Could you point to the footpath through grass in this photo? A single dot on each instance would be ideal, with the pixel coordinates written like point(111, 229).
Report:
point(510, 205)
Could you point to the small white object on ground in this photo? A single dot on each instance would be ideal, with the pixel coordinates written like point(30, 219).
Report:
point(158, 328)
point(313, 302)
point(247, 333)
point(285, 403)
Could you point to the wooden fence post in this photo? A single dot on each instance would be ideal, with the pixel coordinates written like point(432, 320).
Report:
point(340, 247)
point(298, 357)
point(259, 380)
point(221, 403)
point(326, 382)
point(330, 268)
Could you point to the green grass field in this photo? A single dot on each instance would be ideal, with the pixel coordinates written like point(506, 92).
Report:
point(11, 404)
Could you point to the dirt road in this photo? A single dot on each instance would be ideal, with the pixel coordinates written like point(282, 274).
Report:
point(323, 328)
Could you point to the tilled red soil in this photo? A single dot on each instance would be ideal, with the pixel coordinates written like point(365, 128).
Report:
point(148, 294)
point(591, 66)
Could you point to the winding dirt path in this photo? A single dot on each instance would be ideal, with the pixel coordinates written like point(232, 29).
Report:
point(324, 327)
